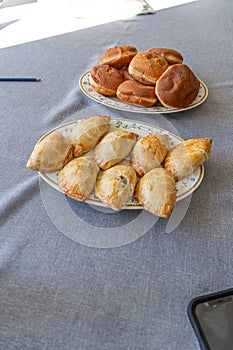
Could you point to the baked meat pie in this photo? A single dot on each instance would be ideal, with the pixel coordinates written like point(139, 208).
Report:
point(149, 152)
point(51, 153)
point(115, 186)
point(114, 147)
point(185, 157)
point(87, 133)
point(77, 179)
point(156, 192)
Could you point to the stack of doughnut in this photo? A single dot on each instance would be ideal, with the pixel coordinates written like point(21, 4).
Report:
point(145, 78)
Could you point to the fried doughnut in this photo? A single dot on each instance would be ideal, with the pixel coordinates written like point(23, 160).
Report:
point(172, 56)
point(126, 75)
point(137, 94)
point(118, 56)
point(177, 87)
point(105, 79)
point(147, 67)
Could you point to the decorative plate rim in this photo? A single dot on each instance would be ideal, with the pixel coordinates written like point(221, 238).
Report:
point(114, 102)
point(131, 205)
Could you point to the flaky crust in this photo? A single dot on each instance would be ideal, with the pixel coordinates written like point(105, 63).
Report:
point(185, 157)
point(115, 186)
point(177, 87)
point(105, 79)
point(147, 67)
point(172, 56)
point(87, 133)
point(156, 192)
point(114, 147)
point(137, 94)
point(51, 153)
point(148, 153)
point(77, 179)
point(118, 56)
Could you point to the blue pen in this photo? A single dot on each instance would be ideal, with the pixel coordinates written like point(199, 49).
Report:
point(20, 79)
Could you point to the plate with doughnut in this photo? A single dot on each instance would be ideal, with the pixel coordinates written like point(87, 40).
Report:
point(152, 81)
point(120, 163)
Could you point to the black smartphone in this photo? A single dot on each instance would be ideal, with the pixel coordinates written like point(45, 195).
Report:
point(211, 316)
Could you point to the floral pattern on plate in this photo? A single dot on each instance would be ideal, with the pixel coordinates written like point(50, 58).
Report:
point(114, 102)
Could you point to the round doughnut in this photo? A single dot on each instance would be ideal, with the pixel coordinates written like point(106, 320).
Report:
point(105, 79)
point(172, 56)
point(137, 94)
point(118, 56)
point(147, 67)
point(177, 87)
point(126, 75)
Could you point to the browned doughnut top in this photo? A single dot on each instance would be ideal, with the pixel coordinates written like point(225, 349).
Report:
point(177, 87)
point(135, 93)
point(172, 56)
point(118, 56)
point(147, 67)
point(105, 79)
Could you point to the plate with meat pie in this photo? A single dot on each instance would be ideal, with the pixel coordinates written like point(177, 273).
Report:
point(165, 157)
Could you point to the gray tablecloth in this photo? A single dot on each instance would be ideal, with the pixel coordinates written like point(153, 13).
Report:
point(57, 293)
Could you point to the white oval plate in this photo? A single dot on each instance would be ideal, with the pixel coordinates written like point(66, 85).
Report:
point(184, 187)
point(114, 102)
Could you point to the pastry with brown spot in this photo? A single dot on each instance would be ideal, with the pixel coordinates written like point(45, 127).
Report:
point(115, 186)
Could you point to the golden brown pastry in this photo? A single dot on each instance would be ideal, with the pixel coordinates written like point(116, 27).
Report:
point(148, 153)
point(51, 153)
point(77, 179)
point(115, 186)
point(87, 133)
point(105, 79)
point(185, 157)
point(177, 87)
point(156, 192)
point(172, 56)
point(137, 94)
point(114, 147)
point(118, 56)
point(147, 67)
